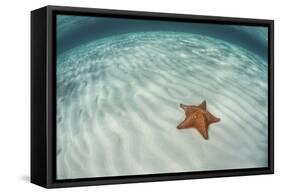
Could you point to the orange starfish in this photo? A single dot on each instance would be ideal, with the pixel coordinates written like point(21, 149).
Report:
point(197, 117)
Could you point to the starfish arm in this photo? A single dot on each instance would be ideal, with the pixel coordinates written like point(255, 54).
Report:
point(202, 125)
point(184, 107)
point(203, 105)
point(211, 118)
point(187, 123)
point(188, 109)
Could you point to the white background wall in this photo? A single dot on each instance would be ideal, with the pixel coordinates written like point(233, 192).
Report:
point(15, 94)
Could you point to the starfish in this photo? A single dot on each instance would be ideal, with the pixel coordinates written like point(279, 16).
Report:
point(197, 117)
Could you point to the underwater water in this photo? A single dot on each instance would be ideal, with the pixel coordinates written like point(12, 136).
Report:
point(118, 105)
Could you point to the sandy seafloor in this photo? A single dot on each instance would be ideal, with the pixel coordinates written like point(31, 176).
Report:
point(118, 105)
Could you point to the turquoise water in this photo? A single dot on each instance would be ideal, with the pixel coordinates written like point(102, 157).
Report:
point(73, 30)
point(118, 97)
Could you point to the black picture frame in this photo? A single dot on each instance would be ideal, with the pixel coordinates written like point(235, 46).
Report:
point(43, 96)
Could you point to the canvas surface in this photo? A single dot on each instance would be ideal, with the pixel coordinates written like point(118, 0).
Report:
point(119, 92)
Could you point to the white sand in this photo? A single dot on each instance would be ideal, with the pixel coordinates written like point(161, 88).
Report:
point(118, 106)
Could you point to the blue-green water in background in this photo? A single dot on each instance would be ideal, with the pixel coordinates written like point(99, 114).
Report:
point(74, 30)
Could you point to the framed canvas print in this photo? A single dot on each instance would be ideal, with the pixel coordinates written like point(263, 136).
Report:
point(126, 96)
